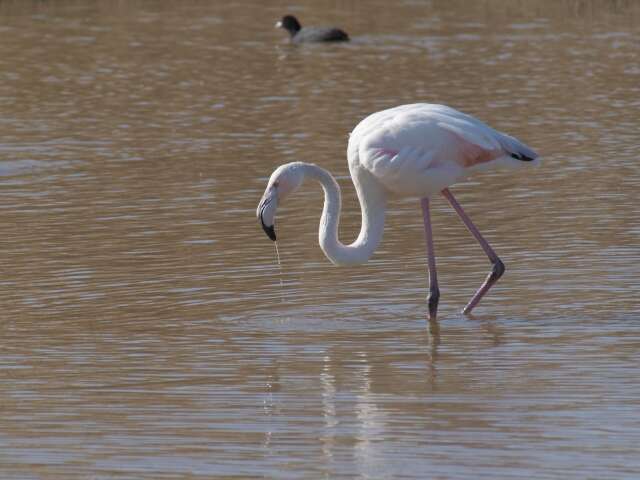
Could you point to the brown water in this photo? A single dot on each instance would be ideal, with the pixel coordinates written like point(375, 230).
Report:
point(144, 331)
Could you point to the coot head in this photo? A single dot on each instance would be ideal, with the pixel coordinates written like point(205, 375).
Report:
point(290, 24)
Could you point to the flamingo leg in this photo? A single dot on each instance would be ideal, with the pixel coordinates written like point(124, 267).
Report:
point(434, 291)
point(498, 267)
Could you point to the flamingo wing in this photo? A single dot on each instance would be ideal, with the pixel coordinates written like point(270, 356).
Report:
point(472, 132)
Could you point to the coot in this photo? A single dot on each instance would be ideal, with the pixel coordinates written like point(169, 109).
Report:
point(311, 34)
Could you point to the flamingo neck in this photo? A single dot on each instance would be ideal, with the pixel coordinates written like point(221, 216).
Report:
point(372, 204)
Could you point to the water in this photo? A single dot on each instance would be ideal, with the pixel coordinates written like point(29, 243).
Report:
point(143, 330)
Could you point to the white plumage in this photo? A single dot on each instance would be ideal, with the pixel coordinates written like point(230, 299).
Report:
point(420, 149)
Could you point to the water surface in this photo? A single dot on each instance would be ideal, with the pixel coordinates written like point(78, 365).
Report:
point(145, 331)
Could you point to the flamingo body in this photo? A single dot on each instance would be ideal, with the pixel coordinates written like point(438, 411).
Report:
point(411, 150)
point(421, 149)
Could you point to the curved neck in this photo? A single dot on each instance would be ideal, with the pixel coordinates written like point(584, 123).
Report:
point(373, 204)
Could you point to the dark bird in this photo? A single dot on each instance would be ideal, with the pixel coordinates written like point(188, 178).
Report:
point(311, 34)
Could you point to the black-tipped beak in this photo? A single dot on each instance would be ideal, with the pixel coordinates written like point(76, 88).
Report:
point(270, 231)
point(278, 24)
point(266, 210)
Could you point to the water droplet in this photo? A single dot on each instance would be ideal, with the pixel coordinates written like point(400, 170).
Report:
point(280, 269)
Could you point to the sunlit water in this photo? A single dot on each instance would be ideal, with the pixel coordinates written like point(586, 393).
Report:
point(144, 332)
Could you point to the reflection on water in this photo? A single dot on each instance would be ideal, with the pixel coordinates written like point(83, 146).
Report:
point(147, 329)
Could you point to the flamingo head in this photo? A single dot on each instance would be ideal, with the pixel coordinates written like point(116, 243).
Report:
point(285, 180)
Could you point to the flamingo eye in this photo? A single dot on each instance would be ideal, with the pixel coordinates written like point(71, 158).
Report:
point(276, 183)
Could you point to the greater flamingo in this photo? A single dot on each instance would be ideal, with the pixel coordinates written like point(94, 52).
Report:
point(411, 150)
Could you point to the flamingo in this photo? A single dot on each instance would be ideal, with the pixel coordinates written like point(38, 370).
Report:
point(415, 150)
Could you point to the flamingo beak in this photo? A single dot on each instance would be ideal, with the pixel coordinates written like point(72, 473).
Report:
point(278, 24)
point(266, 212)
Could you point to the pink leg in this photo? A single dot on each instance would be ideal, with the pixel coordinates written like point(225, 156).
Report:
point(434, 292)
point(498, 266)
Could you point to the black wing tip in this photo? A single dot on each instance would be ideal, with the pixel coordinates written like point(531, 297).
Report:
point(522, 156)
